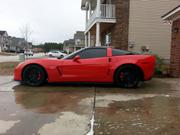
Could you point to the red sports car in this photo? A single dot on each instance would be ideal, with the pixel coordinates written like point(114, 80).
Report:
point(97, 64)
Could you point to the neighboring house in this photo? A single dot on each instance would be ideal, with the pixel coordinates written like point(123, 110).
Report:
point(37, 50)
point(76, 43)
point(4, 41)
point(173, 17)
point(68, 45)
point(12, 44)
point(128, 24)
point(18, 44)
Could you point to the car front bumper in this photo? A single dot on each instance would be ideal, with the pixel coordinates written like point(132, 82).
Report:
point(18, 74)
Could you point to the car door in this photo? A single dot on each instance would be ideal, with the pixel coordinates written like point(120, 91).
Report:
point(92, 66)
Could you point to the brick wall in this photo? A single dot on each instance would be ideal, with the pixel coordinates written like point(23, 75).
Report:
point(120, 29)
point(175, 49)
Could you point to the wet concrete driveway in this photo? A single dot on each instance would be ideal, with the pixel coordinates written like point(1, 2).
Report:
point(66, 109)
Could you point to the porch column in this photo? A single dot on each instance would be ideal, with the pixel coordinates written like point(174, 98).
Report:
point(86, 18)
point(86, 42)
point(89, 10)
point(98, 43)
point(98, 8)
point(89, 39)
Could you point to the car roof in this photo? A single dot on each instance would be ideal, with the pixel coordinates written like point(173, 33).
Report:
point(99, 47)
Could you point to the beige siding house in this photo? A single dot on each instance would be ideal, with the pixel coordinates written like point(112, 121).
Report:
point(129, 24)
point(146, 28)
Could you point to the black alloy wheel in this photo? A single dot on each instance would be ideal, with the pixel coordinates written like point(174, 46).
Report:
point(34, 75)
point(127, 77)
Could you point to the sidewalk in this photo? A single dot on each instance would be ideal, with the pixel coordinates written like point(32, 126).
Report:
point(16, 58)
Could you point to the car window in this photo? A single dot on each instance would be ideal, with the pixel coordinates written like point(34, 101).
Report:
point(93, 53)
point(116, 52)
point(89, 53)
point(72, 55)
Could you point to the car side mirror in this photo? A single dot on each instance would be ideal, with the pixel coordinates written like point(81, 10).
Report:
point(76, 58)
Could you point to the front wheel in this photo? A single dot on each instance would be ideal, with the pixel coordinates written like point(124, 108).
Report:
point(34, 75)
point(127, 77)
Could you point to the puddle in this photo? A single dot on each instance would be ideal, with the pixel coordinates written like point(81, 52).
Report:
point(153, 115)
point(6, 125)
point(105, 101)
point(76, 124)
point(41, 108)
point(151, 109)
point(53, 100)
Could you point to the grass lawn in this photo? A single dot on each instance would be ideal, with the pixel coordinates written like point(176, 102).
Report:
point(7, 68)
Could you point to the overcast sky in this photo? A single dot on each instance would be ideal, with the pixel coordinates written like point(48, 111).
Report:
point(50, 20)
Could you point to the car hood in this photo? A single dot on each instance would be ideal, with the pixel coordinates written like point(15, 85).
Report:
point(44, 61)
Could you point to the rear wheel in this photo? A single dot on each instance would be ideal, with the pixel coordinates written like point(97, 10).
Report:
point(127, 77)
point(34, 75)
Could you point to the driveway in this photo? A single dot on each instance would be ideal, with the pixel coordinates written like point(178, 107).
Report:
point(16, 58)
point(66, 109)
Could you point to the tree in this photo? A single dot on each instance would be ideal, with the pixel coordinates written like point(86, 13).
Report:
point(50, 46)
point(53, 46)
point(26, 33)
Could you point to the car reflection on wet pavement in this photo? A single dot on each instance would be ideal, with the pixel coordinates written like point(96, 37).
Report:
point(66, 109)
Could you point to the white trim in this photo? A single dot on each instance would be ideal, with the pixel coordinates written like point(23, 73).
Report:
point(86, 40)
point(98, 8)
point(89, 10)
point(176, 18)
point(98, 43)
point(89, 39)
point(100, 21)
point(86, 18)
point(171, 13)
point(103, 12)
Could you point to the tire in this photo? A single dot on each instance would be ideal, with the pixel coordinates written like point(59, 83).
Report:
point(34, 75)
point(50, 55)
point(61, 56)
point(128, 77)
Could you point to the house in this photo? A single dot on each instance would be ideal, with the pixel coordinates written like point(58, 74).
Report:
point(68, 45)
point(76, 43)
point(4, 41)
point(128, 24)
point(38, 50)
point(18, 44)
point(12, 44)
point(173, 17)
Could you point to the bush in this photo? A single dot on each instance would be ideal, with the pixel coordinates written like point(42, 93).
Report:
point(161, 68)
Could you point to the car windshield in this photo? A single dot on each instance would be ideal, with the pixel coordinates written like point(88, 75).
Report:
point(54, 51)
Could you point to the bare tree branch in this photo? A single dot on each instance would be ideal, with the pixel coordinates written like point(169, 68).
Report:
point(26, 32)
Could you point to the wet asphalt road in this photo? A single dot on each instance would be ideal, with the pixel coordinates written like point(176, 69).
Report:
point(66, 109)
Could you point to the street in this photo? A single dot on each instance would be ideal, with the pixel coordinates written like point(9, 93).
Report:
point(65, 109)
point(16, 57)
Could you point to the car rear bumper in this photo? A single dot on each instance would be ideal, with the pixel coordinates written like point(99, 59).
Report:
point(148, 67)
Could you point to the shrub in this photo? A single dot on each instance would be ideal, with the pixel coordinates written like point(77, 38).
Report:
point(161, 68)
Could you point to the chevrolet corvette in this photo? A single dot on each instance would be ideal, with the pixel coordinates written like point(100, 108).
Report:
point(95, 64)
